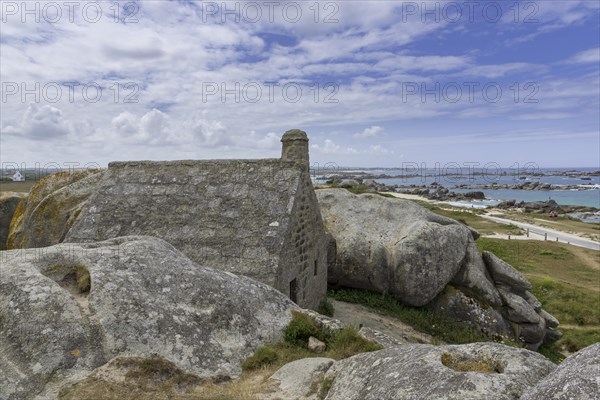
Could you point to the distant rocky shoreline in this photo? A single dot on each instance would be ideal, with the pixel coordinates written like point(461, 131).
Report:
point(437, 192)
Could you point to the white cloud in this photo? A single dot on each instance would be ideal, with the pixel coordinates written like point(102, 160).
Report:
point(369, 132)
point(378, 149)
point(587, 56)
point(329, 147)
point(170, 53)
point(39, 123)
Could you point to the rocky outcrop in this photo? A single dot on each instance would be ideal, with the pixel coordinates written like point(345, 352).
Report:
point(68, 309)
point(397, 247)
point(391, 246)
point(8, 205)
point(51, 208)
point(504, 274)
point(295, 380)
point(457, 305)
point(578, 377)
point(474, 371)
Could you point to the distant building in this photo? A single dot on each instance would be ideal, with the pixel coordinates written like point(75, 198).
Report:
point(18, 177)
point(258, 218)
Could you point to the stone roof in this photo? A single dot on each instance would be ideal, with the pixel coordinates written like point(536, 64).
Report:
point(230, 214)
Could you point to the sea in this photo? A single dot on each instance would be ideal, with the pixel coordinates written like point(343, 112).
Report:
point(586, 194)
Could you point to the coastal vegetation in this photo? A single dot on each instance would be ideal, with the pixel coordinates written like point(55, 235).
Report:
point(566, 280)
point(443, 329)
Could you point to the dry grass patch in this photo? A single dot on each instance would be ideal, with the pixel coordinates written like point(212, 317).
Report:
point(463, 363)
point(155, 378)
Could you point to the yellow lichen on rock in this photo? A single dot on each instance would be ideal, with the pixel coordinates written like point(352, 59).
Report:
point(55, 201)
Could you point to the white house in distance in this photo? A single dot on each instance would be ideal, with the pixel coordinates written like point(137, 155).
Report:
point(18, 177)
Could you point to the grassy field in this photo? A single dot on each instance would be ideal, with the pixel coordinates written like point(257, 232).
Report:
point(21, 187)
point(565, 278)
point(473, 219)
point(562, 223)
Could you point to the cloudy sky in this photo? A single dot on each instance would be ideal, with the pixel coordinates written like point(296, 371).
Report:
point(374, 83)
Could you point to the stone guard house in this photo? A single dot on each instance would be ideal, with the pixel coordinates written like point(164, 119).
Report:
point(258, 218)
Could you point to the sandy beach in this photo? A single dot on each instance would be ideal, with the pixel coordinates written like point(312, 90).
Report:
point(410, 197)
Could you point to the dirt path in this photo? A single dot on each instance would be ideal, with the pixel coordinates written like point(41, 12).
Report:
point(357, 315)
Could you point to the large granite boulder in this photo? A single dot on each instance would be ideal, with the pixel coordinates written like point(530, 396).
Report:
point(392, 246)
point(68, 309)
point(578, 377)
point(417, 371)
point(8, 205)
point(397, 247)
point(51, 208)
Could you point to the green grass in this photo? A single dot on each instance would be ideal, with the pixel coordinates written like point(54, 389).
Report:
point(575, 339)
point(264, 356)
point(301, 328)
point(566, 280)
point(440, 327)
point(340, 344)
point(552, 353)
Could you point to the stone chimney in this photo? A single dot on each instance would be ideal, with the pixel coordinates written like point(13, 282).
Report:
point(295, 147)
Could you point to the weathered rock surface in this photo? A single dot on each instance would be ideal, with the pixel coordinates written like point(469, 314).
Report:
point(578, 377)
point(518, 309)
point(397, 247)
point(419, 372)
point(391, 246)
point(457, 305)
point(294, 380)
point(73, 307)
point(8, 205)
point(379, 337)
point(474, 276)
point(51, 208)
point(504, 273)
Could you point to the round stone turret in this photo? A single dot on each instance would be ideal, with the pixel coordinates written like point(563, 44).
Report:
point(295, 146)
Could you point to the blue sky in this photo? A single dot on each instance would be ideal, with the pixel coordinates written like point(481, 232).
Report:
point(398, 82)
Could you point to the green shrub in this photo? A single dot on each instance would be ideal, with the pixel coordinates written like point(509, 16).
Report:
point(340, 344)
point(326, 308)
point(347, 342)
point(301, 328)
point(263, 356)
